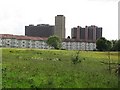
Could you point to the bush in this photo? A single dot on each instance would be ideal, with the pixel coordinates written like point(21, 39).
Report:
point(75, 59)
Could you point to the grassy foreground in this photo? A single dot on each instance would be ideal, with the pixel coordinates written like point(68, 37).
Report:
point(32, 68)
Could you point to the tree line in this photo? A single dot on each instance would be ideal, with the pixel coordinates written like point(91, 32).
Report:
point(103, 44)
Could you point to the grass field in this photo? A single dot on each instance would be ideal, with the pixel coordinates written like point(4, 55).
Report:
point(33, 68)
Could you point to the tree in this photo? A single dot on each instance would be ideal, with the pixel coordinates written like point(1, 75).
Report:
point(113, 44)
point(54, 41)
point(101, 44)
point(109, 45)
point(117, 46)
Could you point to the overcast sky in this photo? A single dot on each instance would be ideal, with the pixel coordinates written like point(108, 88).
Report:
point(16, 14)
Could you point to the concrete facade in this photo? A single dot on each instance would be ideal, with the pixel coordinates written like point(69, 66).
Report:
point(60, 26)
point(41, 30)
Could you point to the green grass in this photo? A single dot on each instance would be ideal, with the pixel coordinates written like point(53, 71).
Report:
point(32, 68)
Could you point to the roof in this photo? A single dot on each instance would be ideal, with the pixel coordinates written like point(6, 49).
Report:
point(21, 37)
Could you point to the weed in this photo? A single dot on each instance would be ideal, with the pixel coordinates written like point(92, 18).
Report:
point(75, 59)
point(32, 68)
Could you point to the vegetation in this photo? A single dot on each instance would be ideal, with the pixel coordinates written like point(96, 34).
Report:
point(54, 41)
point(32, 68)
point(105, 45)
point(116, 46)
point(76, 59)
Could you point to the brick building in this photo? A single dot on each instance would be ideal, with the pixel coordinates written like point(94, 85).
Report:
point(87, 34)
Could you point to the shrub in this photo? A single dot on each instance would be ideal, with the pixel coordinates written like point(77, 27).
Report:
point(75, 59)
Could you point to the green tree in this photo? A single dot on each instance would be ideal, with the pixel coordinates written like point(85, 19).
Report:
point(101, 44)
point(109, 45)
point(114, 42)
point(54, 41)
point(117, 46)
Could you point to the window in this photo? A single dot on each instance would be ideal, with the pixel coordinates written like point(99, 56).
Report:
point(8, 44)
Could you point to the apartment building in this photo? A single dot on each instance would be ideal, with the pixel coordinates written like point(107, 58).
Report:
point(17, 41)
point(41, 30)
point(89, 33)
point(60, 26)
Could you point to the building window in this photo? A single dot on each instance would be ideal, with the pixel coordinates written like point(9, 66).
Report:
point(23, 45)
point(8, 44)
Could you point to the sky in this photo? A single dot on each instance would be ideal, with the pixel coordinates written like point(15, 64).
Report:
point(16, 14)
